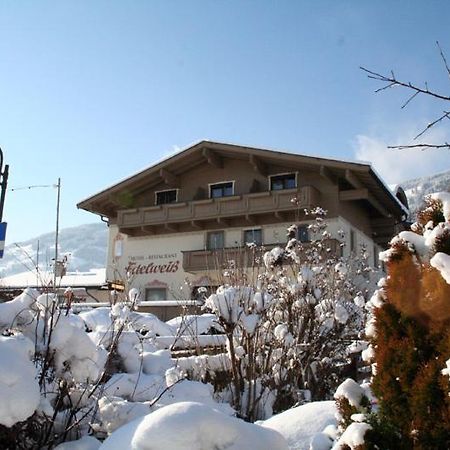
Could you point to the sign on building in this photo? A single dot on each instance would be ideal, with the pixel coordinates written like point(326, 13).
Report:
point(2, 237)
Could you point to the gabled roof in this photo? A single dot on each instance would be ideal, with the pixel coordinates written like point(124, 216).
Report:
point(356, 174)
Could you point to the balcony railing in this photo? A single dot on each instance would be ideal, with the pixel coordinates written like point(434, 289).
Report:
point(195, 212)
point(204, 260)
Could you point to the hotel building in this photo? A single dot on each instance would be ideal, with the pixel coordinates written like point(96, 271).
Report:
point(186, 216)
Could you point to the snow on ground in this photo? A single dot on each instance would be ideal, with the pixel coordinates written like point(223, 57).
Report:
point(302, 424)
point(101, 319)
point(85, 443)
point(195, 325)
point(17, 311)
point(192, 425)
point(149, 406)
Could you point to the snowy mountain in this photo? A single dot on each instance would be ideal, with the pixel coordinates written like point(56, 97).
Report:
point(84, 245)
point(417, 188)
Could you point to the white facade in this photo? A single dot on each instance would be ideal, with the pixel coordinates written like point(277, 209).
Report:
point(154, 264)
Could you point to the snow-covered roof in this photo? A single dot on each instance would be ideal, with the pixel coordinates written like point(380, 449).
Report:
point(95, 277)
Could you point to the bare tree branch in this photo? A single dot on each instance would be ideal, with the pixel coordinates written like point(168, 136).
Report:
point(443, 58)
point(410, 99)
point(392, 81)
point(431, 124)
point(421, 146)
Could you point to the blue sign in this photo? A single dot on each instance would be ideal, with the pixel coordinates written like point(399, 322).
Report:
point(2, 237)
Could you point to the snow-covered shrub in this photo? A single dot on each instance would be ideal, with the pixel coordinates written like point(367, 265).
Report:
point(412, 342)
point(64, 376)
point(410, 338)
point(51, 371)
point(292, 330)
point(19, 389)
point(355, 408)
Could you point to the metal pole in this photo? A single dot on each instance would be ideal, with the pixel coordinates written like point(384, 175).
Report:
point(57, 232)
point(3, 184)
point(37, 256)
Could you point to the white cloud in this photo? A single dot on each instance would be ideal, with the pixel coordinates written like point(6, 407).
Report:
point(395, 165)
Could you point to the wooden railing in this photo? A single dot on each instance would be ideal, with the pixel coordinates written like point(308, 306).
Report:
point(204, 260)
point(218, 208)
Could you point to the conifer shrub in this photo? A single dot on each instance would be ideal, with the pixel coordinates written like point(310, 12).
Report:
point(432, 212)
point(412, 341)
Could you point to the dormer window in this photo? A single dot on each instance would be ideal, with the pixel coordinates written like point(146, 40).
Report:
point(164, 197)
point(224, 189)
point(284, 181)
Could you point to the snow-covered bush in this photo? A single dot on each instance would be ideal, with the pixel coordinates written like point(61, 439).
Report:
point(19, 389)
point(355, 406)
point(410, 339)
point(64, 376)
point(52, 370)
point(292, 330)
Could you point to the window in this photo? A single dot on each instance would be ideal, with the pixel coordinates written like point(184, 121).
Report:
point(221, 189)
point(376, 260)
point(253, 236)
point(352, 240)
point(302, 233)
point(286, 181)
point(215, 240)
point(163, 197)
point(155, 294)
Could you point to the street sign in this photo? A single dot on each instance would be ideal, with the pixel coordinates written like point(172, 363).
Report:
point(2, 237)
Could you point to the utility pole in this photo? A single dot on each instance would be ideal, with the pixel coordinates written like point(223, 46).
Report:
point(3, 184)
point(57, 267)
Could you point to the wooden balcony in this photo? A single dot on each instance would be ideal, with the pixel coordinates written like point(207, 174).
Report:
point(199, 214)
point(205, 260)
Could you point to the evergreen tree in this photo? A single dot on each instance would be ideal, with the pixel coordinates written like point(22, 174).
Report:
point(412, 341)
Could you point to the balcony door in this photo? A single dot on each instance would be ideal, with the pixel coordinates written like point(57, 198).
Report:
point(215, 240)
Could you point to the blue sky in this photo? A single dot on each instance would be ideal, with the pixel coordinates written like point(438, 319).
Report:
point(94, 91)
